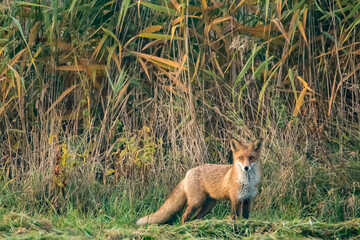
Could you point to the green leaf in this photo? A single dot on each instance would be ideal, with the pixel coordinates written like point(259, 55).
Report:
point(262, 66)
point(160, 8)
point(291, 76)
point(30, 4)
point(262, 92)
point(17, 23)
point(329, 36)
point(111, 34)
point(245, 68)
point(159, 36)
point(354, 10)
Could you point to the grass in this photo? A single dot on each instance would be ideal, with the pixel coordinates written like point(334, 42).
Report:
point(77, 226)
point(109, 211)
point(300, 197)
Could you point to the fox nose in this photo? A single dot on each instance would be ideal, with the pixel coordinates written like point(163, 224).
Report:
point(246, 168)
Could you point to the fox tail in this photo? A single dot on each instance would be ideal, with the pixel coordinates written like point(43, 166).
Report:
point(171, 206)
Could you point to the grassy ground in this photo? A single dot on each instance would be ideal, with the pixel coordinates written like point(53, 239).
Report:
point(298, 201)
point(74, 226)
point(112, 216)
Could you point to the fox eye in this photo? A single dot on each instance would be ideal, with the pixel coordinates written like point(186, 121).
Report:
point(251, 158)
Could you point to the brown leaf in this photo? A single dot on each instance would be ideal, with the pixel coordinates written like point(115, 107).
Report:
point(281, 28)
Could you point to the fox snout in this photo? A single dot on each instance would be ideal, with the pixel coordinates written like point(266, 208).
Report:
point(246, 166)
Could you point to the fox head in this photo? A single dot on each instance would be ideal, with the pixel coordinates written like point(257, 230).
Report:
point(245, 154)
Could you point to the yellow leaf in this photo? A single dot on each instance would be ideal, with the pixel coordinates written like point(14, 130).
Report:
point(75, 68)
point(196, 67)
point(2, 49)
point(14, 60)
point(121, 93)
point(153, 43)
point(176, 5)
point(151, 29)
point(221, 19)
point(145, 68)
point(15, 146)
point(278, 7)
point(305, 84)
point(18, 81)
point(37, 52)
point(203, 5)
point(33, 33)
point(239, 4)
point(99, 46)
point(179, 19)
point(302, 31)
point(7, 184)
point(217, 65)
point(299, 102)
point(109, 3)
point(64, 149)
point(110, 171)
point(112, 55)
point(157, 60)
point(305, 16)
point(66, 92)
point(4, 106)
point(51, 138)
point(17, 56)
point(300, 99)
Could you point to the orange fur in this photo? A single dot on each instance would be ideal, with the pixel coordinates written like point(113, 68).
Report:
point(205, 184)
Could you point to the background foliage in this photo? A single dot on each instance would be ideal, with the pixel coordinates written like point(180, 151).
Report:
point(105, 105)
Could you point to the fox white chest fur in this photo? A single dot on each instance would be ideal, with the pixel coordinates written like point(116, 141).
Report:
point(248, 181)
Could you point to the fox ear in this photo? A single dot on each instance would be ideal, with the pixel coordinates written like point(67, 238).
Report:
point(235, 145)
point(257, 145)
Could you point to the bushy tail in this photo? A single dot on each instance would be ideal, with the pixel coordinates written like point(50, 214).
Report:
point(172, 205)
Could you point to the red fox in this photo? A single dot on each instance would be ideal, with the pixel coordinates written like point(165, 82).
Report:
point(205, 184)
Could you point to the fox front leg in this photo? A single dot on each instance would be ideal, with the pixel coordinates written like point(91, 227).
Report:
point(235, 209)
point(246, 209)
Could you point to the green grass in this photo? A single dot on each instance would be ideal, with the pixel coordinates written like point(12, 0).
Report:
point(303, 200)
point(76, 226)
point(293, 204)
point(112, 214)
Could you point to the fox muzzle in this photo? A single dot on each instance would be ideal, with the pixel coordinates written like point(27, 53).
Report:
point(246, 166)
